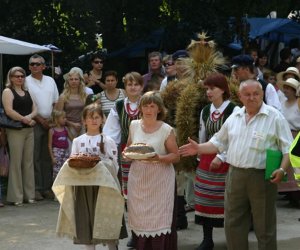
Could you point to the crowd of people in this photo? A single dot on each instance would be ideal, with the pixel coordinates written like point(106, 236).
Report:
point(227, 187)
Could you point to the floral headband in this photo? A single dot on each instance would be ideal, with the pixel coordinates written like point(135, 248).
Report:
point(95, 98)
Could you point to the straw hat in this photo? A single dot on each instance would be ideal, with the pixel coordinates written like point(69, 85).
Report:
point(290, 70)
point(290, 82)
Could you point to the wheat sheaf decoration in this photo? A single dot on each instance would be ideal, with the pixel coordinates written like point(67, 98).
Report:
point(205, 59)
point(185, 98)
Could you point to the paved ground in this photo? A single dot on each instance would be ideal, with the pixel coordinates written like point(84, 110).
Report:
point(32, 227)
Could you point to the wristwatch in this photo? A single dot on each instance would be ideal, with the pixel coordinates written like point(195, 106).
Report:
point(283, 171)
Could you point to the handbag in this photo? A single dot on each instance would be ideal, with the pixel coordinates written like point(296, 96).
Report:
point(6, 122)
point(4, 161)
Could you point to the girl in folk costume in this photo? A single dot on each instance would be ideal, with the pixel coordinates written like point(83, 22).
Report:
point(92, 206)
point(151, 183)
point(120, 117)
point(212, 169)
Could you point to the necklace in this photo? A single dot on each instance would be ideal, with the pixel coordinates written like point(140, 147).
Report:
point(132, 113)
point(216, 115)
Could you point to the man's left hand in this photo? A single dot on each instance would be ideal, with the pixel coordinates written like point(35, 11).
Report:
point(277, 176)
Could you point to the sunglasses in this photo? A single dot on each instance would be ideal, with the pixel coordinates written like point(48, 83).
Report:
point(18, 76)
point(35, 64)
point(168, 64)
point(97, 62)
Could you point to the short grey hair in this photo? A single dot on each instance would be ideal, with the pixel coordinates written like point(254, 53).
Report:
point(249, 82)
point(36, 56)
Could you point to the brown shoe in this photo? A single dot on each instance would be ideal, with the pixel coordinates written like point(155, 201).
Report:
point(38, 196)
point(49, 195)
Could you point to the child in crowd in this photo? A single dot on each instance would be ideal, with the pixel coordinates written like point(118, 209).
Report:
point(270, 77)
point(58, 141)
point(92, 206)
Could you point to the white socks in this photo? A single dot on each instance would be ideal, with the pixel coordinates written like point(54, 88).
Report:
point(90, 247)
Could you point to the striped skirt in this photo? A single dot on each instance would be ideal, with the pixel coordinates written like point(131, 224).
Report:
point(125, 167)
point(209, 192)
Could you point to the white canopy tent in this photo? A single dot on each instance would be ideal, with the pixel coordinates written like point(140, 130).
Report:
point(11, 46)
point(16, 47)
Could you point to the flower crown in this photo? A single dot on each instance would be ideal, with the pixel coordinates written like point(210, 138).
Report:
point(95, 98)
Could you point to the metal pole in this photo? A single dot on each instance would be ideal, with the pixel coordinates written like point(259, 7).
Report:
point(52, 63)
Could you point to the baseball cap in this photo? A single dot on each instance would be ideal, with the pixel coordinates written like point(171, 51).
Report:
point(180, 54)
point(242, 60)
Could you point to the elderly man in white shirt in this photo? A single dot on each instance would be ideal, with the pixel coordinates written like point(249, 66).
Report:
point(43, 91)
point(245, 136)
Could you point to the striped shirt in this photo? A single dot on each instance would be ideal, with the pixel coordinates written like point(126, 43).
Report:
point(107, 103)
point(246, 144)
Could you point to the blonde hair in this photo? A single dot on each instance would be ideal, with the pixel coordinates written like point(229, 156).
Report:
point(133, 77)
point(10, 73)
point(81, 87)
point(153, 97)
point(55, 116)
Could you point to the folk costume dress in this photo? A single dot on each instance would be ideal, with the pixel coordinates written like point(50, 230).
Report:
point(210, 184)
point(151, 193)
point(126, 114)
point(92, 206)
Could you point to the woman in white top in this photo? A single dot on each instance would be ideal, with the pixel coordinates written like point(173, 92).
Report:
point(151, 182)
point(290, 107)
point(291, 111)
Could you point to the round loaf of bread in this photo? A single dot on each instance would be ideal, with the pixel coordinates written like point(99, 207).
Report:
point(139, 151)
point(83, 161)
point(140, 148)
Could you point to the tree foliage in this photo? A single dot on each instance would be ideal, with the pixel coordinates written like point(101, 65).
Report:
point(71, 25)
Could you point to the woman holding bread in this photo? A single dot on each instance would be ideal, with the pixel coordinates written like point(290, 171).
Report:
point(151, 181)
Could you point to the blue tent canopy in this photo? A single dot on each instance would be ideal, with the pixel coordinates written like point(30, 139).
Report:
point(274, 29)
point(138, 48)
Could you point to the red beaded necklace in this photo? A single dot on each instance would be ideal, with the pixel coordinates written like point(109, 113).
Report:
point(216, 115)
point(132, 113)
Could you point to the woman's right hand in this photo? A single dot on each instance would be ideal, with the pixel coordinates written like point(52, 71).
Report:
point(124, 156)
point(26, 120)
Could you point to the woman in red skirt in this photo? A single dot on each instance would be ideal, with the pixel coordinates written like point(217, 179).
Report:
point(212, 169)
